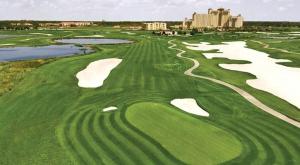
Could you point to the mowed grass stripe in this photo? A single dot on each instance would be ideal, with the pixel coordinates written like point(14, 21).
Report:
point(73, 139)
point(135, 56)
point(290, 138)
point(160, 81)
point(148, 148)
point(96, 159)
point(154, 54)
point(251, 146)
point(69, 143)
point(94, 141)
point(148, 53)
point(130, 71)
point(166, 55)
point(150, 159)
point(161, 150)
point(267, 150)
point(293, 131)
point(122, 75)
point(126, 146)
point(113, 151)
point(283, 156)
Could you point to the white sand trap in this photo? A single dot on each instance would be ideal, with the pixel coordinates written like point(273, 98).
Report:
point(42, 34)
point(129, 33)
point(96, 72)
point(189, 106)
point(109, 109)
point(279, 80)
point(92, 36)
point(7, 44)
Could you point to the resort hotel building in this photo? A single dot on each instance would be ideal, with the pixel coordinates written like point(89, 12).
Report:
point(220, 18)
point(156, 26)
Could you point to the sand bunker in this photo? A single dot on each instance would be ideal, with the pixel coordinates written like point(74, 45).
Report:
point(129, 33)
point(92, 36)
point(109, 109)
point(96, 72)
point(279, 80)
point(42, 34)
point(190, 106)
point(7, 44)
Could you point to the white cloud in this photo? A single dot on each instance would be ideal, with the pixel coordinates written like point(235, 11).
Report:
point(142, 9)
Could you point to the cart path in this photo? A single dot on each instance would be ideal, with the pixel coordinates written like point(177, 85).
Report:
point(267, 46)
point(240, 91)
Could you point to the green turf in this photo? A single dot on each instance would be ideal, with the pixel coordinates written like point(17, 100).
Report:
point(47, 119)
point(210, 68)
point(180, 134)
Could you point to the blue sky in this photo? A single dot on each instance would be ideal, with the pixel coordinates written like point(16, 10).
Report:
point(141, 10)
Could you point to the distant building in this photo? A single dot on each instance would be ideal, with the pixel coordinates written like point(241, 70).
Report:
point(21, 24)
point(117, 27)
point(75, 24)
point(156, 26)
point(220, 18)
point(176, 26)
point(133, 27)
point(49, 25)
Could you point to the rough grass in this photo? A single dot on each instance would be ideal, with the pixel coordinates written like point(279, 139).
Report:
point(11, 73)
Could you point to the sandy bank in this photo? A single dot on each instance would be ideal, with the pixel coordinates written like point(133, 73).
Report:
point(189, 106)
point(279, 80)
point(96, 72)
point(42, 34)
point(7, 44)
point(109, 109)
point(129, 33)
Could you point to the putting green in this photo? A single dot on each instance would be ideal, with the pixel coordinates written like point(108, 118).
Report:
point(188, 138)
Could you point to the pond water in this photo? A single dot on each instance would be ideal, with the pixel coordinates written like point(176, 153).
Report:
point(42, 52)
point(93, 41)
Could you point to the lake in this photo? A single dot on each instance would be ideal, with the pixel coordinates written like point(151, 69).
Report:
point(42, 52)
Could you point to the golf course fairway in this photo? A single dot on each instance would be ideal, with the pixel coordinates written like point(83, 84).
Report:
point(46, 118)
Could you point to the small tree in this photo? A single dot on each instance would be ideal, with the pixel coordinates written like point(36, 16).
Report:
point(194, 31)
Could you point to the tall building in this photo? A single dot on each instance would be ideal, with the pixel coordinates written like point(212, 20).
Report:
point(220, 18)
point(156, 26)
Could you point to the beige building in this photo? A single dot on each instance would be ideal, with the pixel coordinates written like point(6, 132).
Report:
point(70, 24)
point(156, 26)
point(220, 18)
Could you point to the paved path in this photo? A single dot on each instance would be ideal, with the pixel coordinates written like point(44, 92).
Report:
point(267, 46)
point(240, 91)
